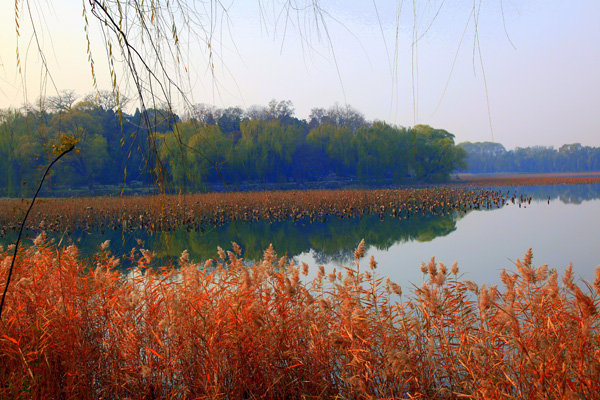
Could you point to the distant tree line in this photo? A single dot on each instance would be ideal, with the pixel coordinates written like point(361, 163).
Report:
point(488, 157)
point(263, 144)
point(112, 148)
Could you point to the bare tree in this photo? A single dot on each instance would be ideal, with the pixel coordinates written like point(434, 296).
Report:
point(108, 100)
point(63, 102)
point(230, 119)
point(280, 110)
point(316, 115)
point(257, 112)
point(206, 113)
point(338, 115)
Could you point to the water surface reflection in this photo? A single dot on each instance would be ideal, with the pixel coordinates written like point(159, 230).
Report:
point(560, 224)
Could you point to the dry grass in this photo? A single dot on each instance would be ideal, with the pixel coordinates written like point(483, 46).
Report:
point(227, 331)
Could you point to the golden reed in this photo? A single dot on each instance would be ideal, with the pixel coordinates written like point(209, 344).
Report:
point(225, 330)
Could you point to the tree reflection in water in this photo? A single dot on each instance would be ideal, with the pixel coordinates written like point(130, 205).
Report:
point(331, 241)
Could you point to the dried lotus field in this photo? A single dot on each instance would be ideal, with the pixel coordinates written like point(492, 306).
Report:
point(202, 211)
point(198, 211)
point(194, 211)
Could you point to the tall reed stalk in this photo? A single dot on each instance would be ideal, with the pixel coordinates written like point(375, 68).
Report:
point(225, 330)
point(68, 149)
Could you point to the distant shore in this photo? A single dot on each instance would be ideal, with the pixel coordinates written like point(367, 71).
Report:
point(504, 179)
point(332, 183)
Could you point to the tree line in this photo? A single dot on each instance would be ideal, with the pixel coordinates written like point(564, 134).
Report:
point(208, 145)
point(488, 157)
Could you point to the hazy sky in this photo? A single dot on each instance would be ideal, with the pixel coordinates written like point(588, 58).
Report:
point(541, 66)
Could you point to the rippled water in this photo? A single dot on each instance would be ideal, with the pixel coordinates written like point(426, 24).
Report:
point(561, 225)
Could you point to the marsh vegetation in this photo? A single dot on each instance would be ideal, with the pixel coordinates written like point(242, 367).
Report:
point(239, 325)
point(223, 330)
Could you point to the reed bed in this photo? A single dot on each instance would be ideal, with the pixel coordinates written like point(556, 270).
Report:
point(224, 330)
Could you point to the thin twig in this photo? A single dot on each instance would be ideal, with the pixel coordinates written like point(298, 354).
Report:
point(71, 147)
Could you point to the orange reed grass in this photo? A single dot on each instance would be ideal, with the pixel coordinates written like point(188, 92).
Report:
point(225, 330)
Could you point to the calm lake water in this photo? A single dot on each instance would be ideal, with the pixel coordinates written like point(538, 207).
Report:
point(563, 231)
point(561, 225)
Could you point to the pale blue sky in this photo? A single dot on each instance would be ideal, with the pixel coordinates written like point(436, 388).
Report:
point(543, 91)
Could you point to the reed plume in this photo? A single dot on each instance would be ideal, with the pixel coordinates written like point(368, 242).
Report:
point(224, 330)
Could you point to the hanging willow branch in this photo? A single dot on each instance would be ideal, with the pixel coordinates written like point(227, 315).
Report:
point(67, 148)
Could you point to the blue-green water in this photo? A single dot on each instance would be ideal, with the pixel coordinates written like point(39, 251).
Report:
point(561, 224)
point(484, 243)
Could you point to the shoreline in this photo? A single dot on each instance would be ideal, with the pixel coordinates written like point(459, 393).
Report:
point(335, 183)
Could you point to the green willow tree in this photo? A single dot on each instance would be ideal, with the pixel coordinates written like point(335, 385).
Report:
point(435, 156)
point(194, 167)
point(264, 147)
point(148, 48)
point(382, 153)
point(88, 164)
point(336, 142)
point(196, 155)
